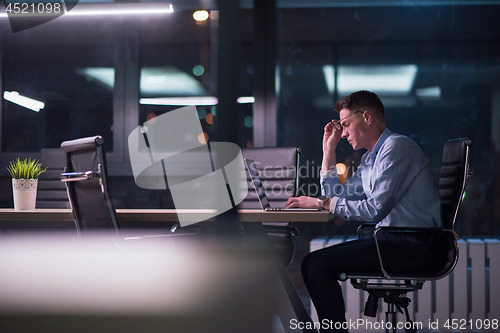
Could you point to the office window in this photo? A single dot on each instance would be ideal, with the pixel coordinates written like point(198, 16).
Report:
point(74, 83)
point(178, 67)
point(434, 67)
point(174, 76)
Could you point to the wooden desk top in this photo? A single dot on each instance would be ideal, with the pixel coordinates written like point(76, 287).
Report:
point(164, 215)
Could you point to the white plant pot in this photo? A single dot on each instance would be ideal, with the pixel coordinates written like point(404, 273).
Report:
point(24, 193)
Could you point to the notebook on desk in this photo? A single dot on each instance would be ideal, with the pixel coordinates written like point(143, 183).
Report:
point(261, 193)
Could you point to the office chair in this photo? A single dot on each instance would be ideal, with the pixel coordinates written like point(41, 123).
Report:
point(454, 173)
point(51, 192)
point(278, 168)
point(86, 178)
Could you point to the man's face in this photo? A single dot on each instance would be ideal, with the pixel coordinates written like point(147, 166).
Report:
point(353, 128)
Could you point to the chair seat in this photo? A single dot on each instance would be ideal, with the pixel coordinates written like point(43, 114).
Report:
point(443, 262)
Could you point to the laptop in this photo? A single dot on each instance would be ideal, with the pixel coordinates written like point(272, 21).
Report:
point(261, 193)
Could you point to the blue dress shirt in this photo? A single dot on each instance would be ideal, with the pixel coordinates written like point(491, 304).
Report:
point(393, 186)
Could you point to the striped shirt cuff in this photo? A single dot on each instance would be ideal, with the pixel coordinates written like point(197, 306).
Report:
point(329, 174)
point(333, 204)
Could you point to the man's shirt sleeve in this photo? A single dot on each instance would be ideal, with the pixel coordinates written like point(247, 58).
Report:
point(396, 168)
point(352, 189)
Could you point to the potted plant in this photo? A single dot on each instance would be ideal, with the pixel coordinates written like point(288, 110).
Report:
point(24, 182)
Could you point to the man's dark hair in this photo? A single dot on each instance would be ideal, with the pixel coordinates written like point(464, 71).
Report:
point(360, 101)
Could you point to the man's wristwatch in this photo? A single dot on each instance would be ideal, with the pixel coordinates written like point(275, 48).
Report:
point(321, 201)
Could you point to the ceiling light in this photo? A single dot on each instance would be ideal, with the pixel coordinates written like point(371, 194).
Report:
point(158, 81)
point(29, 103)
point(382, 79)
point(430, 92)
point(329, 73)
point(121, 9)
point(180, 101)
point(155, 81)
point(200, 15)
point(245, 99)
point(195, 100)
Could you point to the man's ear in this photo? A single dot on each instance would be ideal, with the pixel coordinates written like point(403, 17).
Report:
point(368, 117)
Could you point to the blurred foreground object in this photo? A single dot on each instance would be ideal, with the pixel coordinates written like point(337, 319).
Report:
point(99, 284)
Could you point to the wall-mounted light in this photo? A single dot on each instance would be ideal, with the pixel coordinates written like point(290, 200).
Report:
point(29, 103)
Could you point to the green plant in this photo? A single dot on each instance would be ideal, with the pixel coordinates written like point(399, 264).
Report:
point(27, 169)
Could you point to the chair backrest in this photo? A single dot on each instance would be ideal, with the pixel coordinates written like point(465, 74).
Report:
point(87, 185)
point(278, 169)
point(454, 173)
point(51, 193)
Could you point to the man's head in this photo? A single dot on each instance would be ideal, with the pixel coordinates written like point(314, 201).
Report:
point(362, 118)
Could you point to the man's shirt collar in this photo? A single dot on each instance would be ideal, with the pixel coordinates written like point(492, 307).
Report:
point(370, 159)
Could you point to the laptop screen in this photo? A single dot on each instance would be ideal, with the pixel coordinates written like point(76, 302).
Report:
point(257, 183)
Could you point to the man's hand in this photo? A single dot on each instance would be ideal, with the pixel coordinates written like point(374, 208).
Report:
point(331, 136)
point(302, 202)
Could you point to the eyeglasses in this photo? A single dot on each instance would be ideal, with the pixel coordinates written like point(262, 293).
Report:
point(337, 122)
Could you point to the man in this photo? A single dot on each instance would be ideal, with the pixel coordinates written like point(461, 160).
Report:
point(393, 186)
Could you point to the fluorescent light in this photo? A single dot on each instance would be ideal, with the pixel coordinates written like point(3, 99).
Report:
point(430, 92)
point(245, 99)
point(384, 79)
point(155, 81)
point(117, 9)
point(104, 76)
point(29, 103)
point(169, 81)
point(121, 9)
point(197, 100)
point(329, 73)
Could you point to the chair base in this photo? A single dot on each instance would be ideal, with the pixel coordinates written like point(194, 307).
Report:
point(394, 294)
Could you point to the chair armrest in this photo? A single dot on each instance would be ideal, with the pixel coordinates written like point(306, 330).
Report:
point(409, 229)
point(404, 230)
point(77, 176)
point(365, 226)
point(416, 230)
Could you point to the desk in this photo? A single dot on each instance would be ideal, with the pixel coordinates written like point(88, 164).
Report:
point(164, 215)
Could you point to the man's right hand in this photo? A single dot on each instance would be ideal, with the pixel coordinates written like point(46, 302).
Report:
point(331, 136)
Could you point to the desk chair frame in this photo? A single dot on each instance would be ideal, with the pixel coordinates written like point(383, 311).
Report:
point(281, 234)
point(78, 181)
